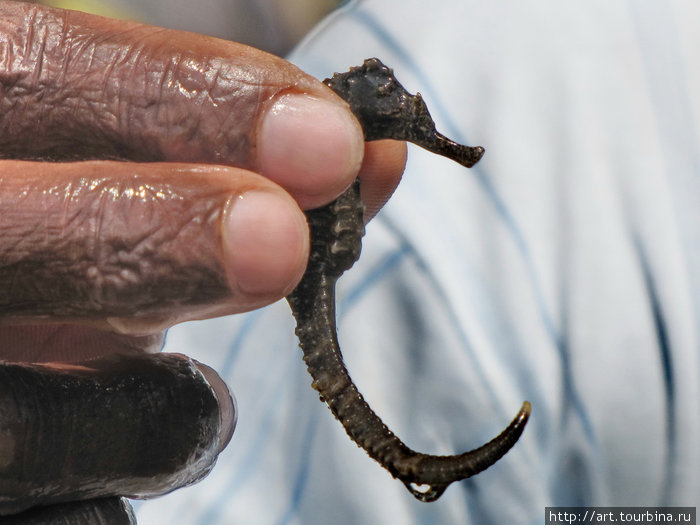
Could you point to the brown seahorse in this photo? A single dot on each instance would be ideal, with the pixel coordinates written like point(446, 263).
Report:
point(385, 111)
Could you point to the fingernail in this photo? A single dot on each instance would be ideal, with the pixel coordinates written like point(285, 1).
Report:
point(311, 146)
point(228, 414)
point(266, 243)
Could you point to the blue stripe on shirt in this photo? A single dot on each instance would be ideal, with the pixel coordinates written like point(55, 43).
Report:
point(557, 338)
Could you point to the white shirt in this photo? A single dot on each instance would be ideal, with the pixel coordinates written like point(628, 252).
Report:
point(563, 269)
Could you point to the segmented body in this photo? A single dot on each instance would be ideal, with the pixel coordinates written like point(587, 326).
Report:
point(385, 110)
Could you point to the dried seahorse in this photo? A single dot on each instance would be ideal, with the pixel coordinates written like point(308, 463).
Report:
point(385, 111)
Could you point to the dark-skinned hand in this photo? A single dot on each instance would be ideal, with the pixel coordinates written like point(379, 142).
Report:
point(147, 177)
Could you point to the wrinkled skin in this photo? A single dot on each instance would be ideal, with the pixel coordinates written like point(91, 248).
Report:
point(201, 157)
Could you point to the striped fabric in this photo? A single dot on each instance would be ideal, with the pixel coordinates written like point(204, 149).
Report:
point(563, 269)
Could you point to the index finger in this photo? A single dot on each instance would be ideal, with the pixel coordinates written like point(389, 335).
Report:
point(78, 86)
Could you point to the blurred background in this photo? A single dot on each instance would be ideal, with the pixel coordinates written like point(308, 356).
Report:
point(272, 25)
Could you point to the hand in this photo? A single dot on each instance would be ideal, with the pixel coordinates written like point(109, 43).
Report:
point(185, 163)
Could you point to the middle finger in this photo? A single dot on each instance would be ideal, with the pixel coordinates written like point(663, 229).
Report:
point(104, 241)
